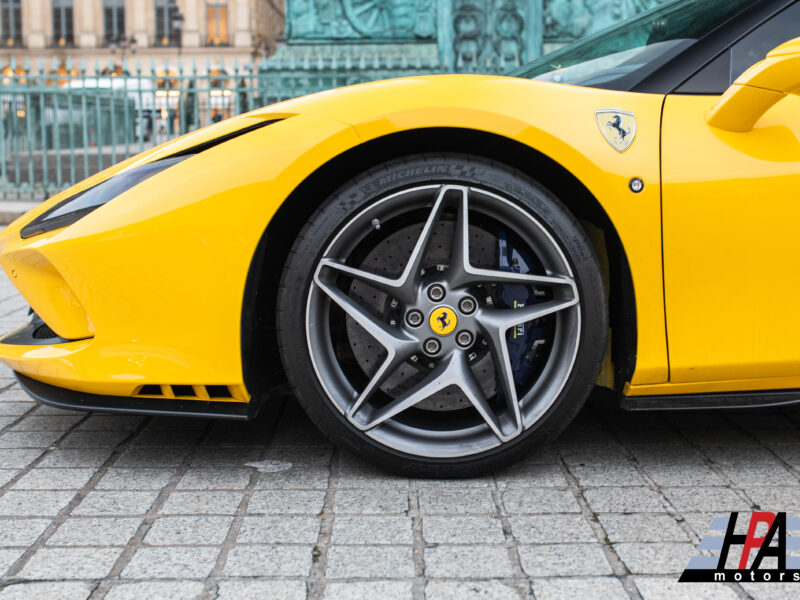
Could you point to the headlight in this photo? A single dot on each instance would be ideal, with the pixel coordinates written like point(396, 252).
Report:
point(81, 204)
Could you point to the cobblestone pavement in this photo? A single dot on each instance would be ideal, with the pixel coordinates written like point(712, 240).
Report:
point(97, 506)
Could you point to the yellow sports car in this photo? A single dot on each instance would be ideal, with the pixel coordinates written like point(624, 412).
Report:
point(443, 267)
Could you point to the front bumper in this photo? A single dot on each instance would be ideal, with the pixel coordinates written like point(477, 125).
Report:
point(147, 290)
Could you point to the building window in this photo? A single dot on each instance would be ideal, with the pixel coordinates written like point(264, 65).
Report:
point(63, 33)
point(166, 32)
point(113, 21)
point(11, 22)
point(217, 23)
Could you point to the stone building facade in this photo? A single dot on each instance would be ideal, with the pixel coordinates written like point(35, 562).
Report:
point(423, 35)
point(150, 30)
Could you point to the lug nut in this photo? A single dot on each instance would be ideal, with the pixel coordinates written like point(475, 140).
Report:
point(414, 318)
point(432, 346)
point(464, 339)
point(436, 293)
point(467, 305)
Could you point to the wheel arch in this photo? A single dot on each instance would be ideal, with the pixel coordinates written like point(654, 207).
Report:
point(259, 336)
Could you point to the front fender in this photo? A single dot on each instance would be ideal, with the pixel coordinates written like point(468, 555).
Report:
point(556, 120)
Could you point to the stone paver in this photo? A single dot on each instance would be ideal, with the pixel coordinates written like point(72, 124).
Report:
point(171, 563)
point(184, 590)
point(388, 529)
point(473, 590)
point(347, 562)
point(88, 531)
point(568, 588)
point(462, 530)
point(459, 562)
point(279, 529)
point(62, 590)
point(385, 590)
point(111, 507)
point(54, 479)
point(245, 589)
point(188, 531)
point(269, 561)
point(564, 559)
point(70, 563)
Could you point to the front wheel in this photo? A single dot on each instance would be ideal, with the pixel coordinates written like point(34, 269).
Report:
point(441, 315)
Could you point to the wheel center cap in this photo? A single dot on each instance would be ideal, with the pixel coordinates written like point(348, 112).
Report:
point(442, 320)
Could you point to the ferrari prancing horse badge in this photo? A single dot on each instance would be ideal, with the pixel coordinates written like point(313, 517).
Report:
point(617, 126)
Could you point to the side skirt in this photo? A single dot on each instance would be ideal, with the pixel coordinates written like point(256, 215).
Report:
point(758, 399)
point(72, 400)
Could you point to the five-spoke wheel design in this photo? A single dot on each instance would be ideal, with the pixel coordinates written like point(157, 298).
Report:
point(443, 320)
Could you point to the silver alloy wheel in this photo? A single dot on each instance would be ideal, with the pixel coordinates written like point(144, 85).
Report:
point(492, 417)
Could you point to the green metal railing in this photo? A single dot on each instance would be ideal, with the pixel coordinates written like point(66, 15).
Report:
point(62, 123)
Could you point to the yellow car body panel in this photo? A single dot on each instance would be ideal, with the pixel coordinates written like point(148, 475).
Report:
point(730, 248)
point(103, 277)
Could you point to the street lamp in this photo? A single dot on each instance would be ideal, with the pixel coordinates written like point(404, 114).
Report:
point(177, 26)
point(123, 44)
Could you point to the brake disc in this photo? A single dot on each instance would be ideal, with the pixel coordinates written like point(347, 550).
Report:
point(388, 258)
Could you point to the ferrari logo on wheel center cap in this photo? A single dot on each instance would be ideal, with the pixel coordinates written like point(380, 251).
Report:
point(443, 320)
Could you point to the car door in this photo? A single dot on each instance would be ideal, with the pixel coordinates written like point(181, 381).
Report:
point(731, 230)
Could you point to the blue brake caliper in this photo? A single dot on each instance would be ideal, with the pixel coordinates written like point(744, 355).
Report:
point(523, 339)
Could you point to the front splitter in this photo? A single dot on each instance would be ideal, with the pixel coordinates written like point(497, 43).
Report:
point(73, 400)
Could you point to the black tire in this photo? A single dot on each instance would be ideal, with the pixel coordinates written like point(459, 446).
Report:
point(379, 182)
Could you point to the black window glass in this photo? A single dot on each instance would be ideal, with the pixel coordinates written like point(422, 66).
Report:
point(715, 77)
point(113, 21)
point(166, 32)
point(63, 30)
point(756, 44)
point(624, 55)
point(11, 22)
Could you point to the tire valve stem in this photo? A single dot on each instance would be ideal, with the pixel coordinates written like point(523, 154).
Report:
point(376, 223)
